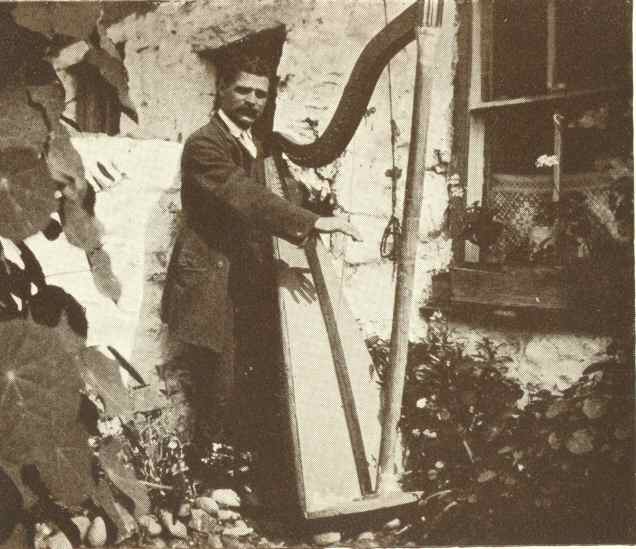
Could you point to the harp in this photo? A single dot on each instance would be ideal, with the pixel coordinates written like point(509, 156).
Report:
point(333, 406)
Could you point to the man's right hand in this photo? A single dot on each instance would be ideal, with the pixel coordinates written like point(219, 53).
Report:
point(337, 225)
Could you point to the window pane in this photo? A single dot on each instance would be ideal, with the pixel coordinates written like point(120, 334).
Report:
point(519, 136)
point(519, 53)
point(593, 42)
point(596, 134)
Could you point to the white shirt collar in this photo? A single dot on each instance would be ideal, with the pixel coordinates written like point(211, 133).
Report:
point(238, 133)
point(231, 125)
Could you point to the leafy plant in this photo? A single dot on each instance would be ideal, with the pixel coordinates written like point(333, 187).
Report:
point(39, 399)
point(456, 406)
point(480, 226)
point(557, 471)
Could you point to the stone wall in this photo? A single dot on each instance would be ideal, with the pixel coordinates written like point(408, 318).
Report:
point(173, 88)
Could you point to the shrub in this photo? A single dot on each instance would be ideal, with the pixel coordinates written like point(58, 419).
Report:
point(558, 471)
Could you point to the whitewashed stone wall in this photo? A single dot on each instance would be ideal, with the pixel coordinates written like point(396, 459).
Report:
point(539, 359)
point(173, 89)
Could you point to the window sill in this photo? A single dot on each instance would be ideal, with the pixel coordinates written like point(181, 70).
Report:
point(578, 296)
point(485, 106)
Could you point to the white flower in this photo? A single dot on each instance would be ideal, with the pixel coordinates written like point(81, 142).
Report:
point(173, 444)
point(439, 464)
point(456, 191)
point(93, 442)
point(547, 161)
point(421, 403)
point(430, 434)
point(110, 427)
point(416, 432)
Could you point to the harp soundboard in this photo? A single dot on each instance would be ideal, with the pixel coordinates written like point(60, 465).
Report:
point(332, 401)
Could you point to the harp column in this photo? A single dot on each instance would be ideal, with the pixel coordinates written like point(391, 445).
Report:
point(427, 30)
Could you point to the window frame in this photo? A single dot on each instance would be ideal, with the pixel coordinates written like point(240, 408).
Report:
point(480, 102)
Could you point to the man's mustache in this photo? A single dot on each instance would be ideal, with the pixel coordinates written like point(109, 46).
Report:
point(248, 111)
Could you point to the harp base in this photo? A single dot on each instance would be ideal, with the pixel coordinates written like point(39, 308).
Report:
point(372, 502)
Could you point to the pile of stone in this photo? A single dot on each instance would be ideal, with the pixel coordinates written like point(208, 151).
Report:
point(211, 520)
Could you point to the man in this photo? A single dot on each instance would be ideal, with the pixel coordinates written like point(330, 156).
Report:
point(219, 300)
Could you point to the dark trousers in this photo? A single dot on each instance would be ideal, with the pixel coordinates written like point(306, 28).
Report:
point(234, 395)
point(209, 388)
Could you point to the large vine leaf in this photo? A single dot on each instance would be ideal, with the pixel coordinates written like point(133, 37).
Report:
point(72, 19)
point(64, 162)
point(27, 200)
point(79, 20)
point(21, 48)
point(75, 19)
point(31, 102)
point(81, 227)
point(105, 280)
point(11, 504)
point(105, 499)
point(39, 401)
point(35, 152)
point(101, 374)
point(26, 191)
point(110, 64)
point(111, 454)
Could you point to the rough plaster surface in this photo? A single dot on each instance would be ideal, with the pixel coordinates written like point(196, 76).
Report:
point(173, 89)
point(546, 360)
point(137, 218)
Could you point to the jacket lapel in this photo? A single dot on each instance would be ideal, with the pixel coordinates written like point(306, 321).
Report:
point(250, 165)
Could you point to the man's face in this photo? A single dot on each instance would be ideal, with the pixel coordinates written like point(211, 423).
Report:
point(244, 99)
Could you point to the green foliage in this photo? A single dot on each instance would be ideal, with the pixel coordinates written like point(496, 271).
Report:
point(480, 226)
point(39, 400)
point(146, 456)
point(558, 471)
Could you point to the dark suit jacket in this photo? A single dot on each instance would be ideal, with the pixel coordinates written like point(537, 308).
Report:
point(223, 247)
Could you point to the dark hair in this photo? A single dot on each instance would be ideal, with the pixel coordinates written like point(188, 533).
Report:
point(50, 302)
point(229, 68)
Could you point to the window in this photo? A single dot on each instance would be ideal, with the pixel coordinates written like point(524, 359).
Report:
point(541, 46)
point(533, 60)
point(97, 105)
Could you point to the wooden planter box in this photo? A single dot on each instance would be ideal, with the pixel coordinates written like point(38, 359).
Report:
point(580, 295)
point(514, 286)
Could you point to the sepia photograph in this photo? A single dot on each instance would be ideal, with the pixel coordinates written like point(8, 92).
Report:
point(316, 273)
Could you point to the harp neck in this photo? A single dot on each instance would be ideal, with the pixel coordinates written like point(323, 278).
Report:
point(355, 97)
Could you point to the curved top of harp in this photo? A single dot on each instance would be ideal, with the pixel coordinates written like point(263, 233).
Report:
point(355, 97)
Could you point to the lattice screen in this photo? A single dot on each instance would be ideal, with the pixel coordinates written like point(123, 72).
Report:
point(516, 199)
